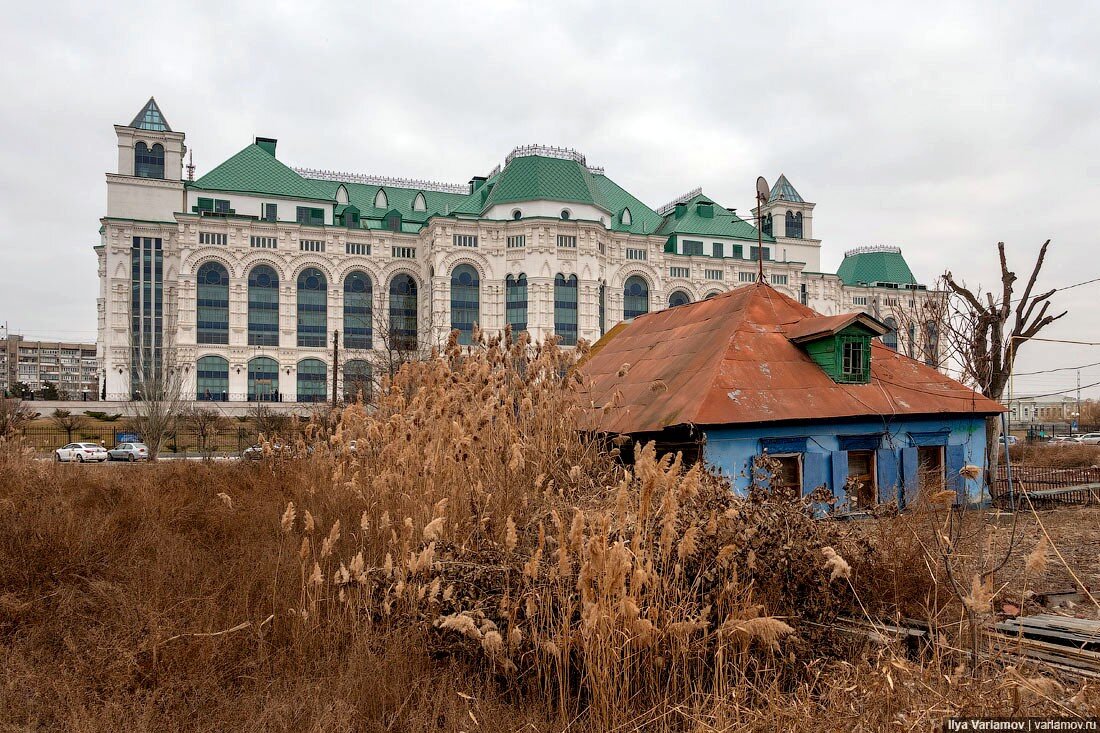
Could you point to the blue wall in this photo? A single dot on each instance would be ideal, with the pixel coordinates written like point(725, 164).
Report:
point(824, 458)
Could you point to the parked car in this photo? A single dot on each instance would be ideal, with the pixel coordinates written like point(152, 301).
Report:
point(256, 452)
point(1011, 439)
point(129, 452)
point(1063, 440)
point(80, 452)
point(1090, 438)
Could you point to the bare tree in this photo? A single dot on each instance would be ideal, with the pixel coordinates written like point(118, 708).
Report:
point(986, 330)
point(68, 422)
point(157, 398)
point(919, 327)
point(206, 422)
point(13, 415)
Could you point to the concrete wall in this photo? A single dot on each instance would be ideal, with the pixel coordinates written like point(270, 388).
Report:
point(731, 451)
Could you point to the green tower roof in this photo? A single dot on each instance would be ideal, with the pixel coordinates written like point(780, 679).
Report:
point(255, 170)
point(868, 265)
point(534, 177)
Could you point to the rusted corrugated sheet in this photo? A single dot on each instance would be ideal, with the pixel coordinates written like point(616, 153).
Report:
point(728, 360)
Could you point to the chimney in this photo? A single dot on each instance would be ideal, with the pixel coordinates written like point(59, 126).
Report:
point(268, 144)
point(477, 182)
point(681, 208)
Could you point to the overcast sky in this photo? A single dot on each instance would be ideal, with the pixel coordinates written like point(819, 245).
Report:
point(941, 129)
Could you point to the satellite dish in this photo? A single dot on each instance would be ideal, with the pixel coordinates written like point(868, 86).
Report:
point(762, 190)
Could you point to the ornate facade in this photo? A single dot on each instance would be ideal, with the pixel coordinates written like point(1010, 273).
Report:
point(248, 273)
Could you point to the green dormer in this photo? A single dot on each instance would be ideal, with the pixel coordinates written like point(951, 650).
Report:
point(840, 345)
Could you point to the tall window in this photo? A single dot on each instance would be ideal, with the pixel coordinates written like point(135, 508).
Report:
point(263, 380)
point(890, 338)
point(357, 380)
point(515, 296)
point(635, 297)
point(565, 309)
point(149, 162)
point(678, 297)
point(931, 343)
point(766, 225)
point(312, 380)
point(465, 302)
point(146, 311)
point(403, 313)
point(603, 304)
point(212, 316)
point(912, 346)
point(212, 379)
point(358, 293)
point(312, 307)
point(263, 307)
point(794, 224)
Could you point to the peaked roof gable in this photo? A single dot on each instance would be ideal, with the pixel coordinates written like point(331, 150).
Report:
point(724, 223)
point(150, 118)
point(817, 327)
point(255, 170)
point(784, 191)
point(729, 360)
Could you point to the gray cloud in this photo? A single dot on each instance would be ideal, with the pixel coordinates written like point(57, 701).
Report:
point(940, 128)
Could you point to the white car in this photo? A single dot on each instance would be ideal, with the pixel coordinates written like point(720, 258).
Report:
point(129, 452)
point(1091, 438)
point(1062, 440)
point(80, 452)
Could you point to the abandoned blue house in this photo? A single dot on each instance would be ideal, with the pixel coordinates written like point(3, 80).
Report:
point(752, 371)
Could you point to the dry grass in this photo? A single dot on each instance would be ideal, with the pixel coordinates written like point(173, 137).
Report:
point(1056, 456)
point(474, 565)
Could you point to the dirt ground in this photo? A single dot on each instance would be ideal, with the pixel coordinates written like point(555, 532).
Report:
point(1075, 536)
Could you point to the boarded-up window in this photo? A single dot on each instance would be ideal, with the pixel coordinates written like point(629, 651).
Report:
point(930, 463)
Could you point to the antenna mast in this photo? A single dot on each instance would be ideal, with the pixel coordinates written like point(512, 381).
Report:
point(761, 199)
point(190, 165)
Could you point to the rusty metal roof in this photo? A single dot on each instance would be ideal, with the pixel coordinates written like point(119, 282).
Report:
point(730, 360)
point(815, 327)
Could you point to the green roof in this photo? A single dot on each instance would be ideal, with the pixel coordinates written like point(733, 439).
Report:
point(533, 178)
point(875, 265)
point(362, 196)
point(784, 191)
point(643, 220)
point(723, 223)
point(254, 170)
point(150, 118)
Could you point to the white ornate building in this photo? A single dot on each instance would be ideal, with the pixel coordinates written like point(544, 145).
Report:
point(252, 267)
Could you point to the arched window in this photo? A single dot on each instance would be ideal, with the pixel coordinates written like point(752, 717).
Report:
point(212, 316)
point(625, 218)
point(565, 214)
point(312, 380)
point(342, 194)
point(312, 307)
point(403, 312)
point(149, 162)
point(358, 293)
point(678, 297)
point(263, 380)
point(263, 307)
point(465, 302)
point(565, 309)
point(794, 224)
point(212, 379)
point(767, 224)
point(710, 295)
point(517, 214)
point(890, 338)
point(381, 201)
point(515, 296)
point(931, 344)
point(357, 381)
point(420, 203)
point(635, 297)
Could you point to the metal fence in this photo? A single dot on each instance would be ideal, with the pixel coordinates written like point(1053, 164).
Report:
point(1047, 485)
point(183, 440)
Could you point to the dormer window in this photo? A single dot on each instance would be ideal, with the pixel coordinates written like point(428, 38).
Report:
point(393, 222)
point(855, 358)
point(341, 195)
point(625, 218)
point(381, 201)
point(420, 203)
point(840, 345)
